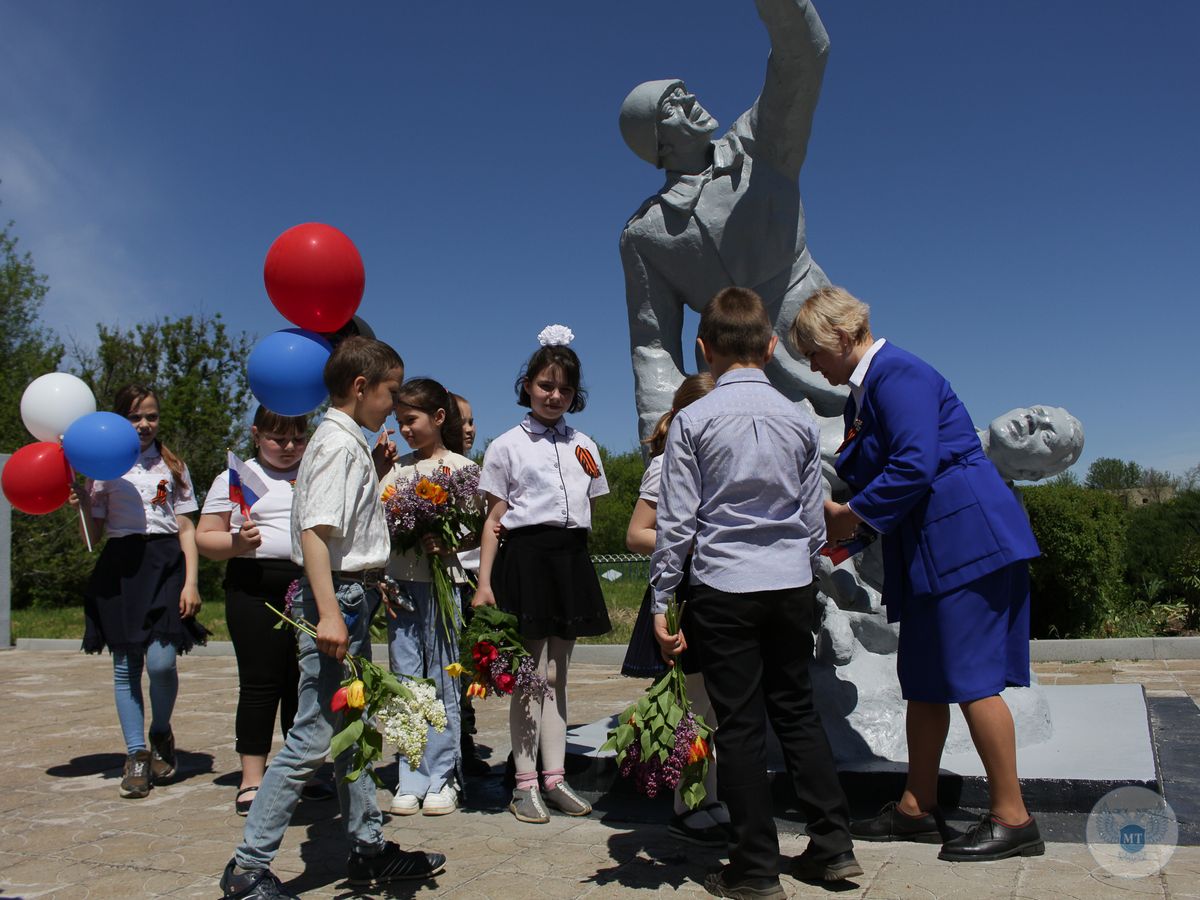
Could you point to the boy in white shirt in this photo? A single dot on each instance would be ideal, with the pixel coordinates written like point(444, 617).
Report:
point(340, 537)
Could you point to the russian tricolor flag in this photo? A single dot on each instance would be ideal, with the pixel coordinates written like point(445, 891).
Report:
point(245, 487)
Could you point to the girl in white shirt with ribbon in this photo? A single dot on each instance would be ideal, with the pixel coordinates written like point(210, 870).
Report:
point(142, 598)
point(540, 479)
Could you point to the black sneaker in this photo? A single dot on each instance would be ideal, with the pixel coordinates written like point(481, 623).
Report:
point(393, 864)
point(257, 884)
point(162, 761)
point(807, 867)
point(135, 781)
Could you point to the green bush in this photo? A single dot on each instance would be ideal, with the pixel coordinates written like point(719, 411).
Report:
point(1077, 582)
point(1158, 534)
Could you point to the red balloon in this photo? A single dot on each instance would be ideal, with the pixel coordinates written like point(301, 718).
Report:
point(37, 478)
point(314, 276)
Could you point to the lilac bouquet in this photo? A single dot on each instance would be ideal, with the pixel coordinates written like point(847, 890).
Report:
point(444, 504)
point(660, 743)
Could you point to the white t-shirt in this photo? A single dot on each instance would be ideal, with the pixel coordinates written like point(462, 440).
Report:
point(272, 513)
point(412, 566)
point(337, 486)
point(541, 473)
point(651, 479)
point(145, 500)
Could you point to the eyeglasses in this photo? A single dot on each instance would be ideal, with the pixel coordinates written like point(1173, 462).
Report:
point(282, 440)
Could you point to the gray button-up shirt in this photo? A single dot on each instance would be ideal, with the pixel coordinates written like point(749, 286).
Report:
point(741, 490)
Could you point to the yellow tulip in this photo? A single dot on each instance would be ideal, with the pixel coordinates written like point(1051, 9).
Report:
point(455, 669)
point(356, 697)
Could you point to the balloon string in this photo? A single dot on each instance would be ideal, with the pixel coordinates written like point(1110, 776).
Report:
point(83, 524)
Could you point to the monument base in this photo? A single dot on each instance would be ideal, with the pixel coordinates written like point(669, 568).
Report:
point(1101, 740)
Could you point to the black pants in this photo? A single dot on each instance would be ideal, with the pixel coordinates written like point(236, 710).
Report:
point(268, 673)
point(754, 652)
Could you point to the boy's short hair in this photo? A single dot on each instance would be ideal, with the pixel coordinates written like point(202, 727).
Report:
point(354, 356)
point(734, 323)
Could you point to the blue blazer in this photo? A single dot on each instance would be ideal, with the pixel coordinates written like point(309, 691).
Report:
point(922, 480)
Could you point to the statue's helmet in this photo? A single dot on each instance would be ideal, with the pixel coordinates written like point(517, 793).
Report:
point(639, 117)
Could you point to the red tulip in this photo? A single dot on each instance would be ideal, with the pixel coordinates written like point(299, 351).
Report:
point(339, 701)
point(484, 652)
point(505, 682)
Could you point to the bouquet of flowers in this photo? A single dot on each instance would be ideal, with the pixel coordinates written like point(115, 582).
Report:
point(494, 657)
point(445, 505)
point(659, 741)
point(369, 695)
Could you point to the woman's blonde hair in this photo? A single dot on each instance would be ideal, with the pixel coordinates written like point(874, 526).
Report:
point(692, 389)
point(825, 316)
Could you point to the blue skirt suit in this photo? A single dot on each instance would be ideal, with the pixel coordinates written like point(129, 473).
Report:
point(955, 540)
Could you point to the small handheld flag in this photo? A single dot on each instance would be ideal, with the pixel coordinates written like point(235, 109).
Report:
point(245, 487)
point(839, 553)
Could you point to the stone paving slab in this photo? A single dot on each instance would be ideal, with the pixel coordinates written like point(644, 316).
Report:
point(65, 833)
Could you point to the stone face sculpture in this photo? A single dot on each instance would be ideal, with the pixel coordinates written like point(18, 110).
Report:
point(728, 214)
point(1033, 442)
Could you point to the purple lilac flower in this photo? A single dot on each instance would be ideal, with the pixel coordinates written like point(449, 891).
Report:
point(530, 682)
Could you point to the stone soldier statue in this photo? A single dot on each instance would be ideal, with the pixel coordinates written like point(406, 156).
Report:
point(728, 214)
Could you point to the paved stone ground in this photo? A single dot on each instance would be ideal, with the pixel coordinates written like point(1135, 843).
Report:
point(64, 832)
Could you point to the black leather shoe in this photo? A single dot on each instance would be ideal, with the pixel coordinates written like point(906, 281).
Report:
point(808, 867)
point(893, 825)
point(991, 839)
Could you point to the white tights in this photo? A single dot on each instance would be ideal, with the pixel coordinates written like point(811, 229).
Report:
point(535, 723)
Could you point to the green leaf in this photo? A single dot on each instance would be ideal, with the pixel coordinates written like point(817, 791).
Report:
point(345, 738)
point(674, 716)
point(647, 745)
point(693, 793)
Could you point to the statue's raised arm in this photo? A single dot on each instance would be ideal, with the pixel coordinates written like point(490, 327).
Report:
point(728, 213)
point(781, 119)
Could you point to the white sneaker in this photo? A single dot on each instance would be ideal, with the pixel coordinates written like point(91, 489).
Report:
point(441, 802)
point(405, 805)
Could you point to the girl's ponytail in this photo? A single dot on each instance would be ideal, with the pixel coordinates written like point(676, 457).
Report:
point(689, 391)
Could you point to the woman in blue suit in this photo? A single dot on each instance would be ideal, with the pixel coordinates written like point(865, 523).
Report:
point(956, 546)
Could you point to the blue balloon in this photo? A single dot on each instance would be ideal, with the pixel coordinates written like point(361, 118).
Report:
point(286, 371)
point(102, 445)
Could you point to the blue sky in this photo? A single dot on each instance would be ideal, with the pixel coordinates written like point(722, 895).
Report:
point(1011, 185)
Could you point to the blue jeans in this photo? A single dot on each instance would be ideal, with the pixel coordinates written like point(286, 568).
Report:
point(417, 645)
point(159, 661)
point(308, 742)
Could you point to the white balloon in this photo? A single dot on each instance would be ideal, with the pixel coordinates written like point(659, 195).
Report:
point(52, 402)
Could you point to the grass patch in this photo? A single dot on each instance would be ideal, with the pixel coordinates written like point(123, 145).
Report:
point(622, 597)
point(67, 621)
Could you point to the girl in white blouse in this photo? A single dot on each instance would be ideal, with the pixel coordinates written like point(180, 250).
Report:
point(540, 479)
point(142, 598)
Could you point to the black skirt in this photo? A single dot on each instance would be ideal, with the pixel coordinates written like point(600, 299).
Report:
point(544, 576)
point(643, 656)
point(132, 597)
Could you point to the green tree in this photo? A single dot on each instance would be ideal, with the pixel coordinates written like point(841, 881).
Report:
point(1078, 579)
point(27, 350)
point(611, 518)
point(1109, 474)
point(1158, 534)
point(198, 371)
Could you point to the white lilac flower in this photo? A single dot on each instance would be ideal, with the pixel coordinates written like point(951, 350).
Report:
point(405, 723)
point(555, 336)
